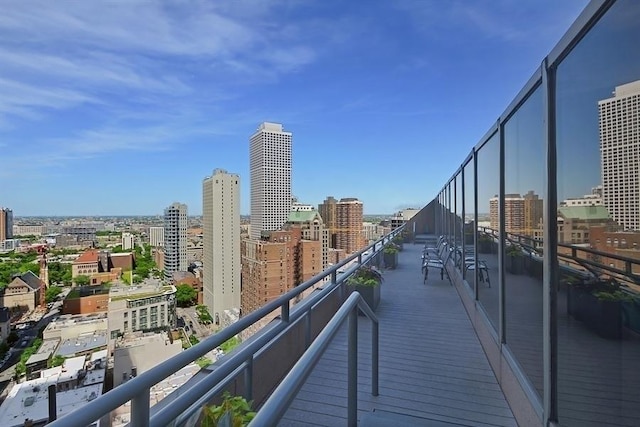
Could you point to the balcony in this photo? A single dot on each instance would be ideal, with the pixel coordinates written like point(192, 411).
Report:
point(492, 343)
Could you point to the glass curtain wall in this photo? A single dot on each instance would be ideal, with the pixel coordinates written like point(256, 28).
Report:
point(488, 223)
point(524, 153)
point(598, 197)
point(469, 224)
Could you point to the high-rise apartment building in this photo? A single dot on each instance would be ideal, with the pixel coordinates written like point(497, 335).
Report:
point(270, 169)
point(533, 211)
point(175, 239)
point(327, 210)
point(221, 253)
point(156, 237)
point(620, 154)
point(127, 241)
point(349, 225)
point(6, 224)
point(513, 213)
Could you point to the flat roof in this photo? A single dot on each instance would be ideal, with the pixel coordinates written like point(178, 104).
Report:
point(82, 343)
point(30, 400)
point(44, 352)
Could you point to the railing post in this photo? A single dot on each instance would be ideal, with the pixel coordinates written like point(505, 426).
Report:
point(248, 379)
point(307, 329)
point(140, 409)
point(352, 370)
point(360, 259)
point(374, 357)
point(284, 315)
point(334, 277)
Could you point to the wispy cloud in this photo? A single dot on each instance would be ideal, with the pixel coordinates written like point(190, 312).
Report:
point(59, 58)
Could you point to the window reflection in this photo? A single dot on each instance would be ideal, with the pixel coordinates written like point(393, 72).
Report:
point(598, 146)
point(469, 223)
point(488, 225)
point(524, 181)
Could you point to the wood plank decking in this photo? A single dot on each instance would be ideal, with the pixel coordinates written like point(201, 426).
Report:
point(432, 366)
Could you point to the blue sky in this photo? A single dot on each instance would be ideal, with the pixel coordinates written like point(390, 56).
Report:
point(116, 108)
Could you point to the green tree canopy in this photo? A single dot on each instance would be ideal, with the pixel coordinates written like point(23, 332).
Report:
point(82, 280)
point(186, 296)
point(51, 293)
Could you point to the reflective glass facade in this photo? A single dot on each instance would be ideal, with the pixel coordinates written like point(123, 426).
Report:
point(544, 216)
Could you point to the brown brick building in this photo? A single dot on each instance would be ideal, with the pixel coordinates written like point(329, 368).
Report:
point(86, 300)
point(349, 225)
point(283, 259)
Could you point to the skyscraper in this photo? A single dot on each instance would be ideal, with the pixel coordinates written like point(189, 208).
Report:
point(221, 228)
point(349, 225)
point(620, 154)
point(270, 168)
point(6, 224)
point(175, 239)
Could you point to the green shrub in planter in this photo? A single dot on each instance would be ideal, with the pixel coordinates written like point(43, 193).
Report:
point(390, 256)
point(366, 280)
point(234, 411)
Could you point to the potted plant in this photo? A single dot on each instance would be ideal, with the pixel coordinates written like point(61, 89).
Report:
point(366, 280)
point(234, 411)
point(514, 260)
point(485, 244)
point(390, 256)
point(604, 315)
point(398, 241)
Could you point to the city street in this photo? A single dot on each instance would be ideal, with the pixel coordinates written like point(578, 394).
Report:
point(191, 319)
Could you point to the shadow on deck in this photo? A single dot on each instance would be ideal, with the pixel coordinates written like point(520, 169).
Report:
point(433, 370)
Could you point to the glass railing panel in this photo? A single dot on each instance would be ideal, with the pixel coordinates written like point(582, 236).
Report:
point(524, 152)
point(598, 146)
point(459, 223)
point(469, 225)
point(488, 219)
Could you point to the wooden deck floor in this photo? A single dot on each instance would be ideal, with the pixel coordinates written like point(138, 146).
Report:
point(431, 363)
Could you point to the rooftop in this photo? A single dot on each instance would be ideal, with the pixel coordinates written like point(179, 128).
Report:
point(83, 343)
point(30, 400)
point(88, 256)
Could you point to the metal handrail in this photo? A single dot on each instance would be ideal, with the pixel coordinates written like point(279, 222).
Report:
point(280, 400)
point(137, 389)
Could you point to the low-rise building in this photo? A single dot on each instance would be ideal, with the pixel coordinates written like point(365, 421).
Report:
point(86, 300)
point(140, 308)
point(70, 326)
point(39, 361)
point(137, 352)
point(22, 293)
point(77, 382)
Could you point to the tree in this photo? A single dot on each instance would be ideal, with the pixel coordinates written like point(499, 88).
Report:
point(82, 280)
point(186, 296)
point(56, 360)
point(51, 293)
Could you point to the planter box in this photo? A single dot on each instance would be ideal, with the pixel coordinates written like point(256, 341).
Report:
point(515, 264)
point(533, 267)
point(605, 318)
point(390, 260)
point(371, 295)
point(484, 247)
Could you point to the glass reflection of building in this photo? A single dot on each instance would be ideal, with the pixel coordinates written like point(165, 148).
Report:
point(620, 151)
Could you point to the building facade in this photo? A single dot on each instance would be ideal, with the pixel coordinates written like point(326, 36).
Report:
point(221, 251)
point(175, 239)
point(156, 237)
point(141, 308)
point(349, 225)
point(270, 173)
point(127, 241)
point(620, 154)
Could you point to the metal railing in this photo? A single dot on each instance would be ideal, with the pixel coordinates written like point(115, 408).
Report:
point(278, 403)
point(137, 390)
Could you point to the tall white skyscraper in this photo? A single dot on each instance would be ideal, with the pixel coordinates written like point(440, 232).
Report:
point(156, 237)
point(221, 228)
point(620, 154)
point(175, 239)
point(270, 167)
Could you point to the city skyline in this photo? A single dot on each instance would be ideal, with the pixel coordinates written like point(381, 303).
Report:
point(143, 108)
